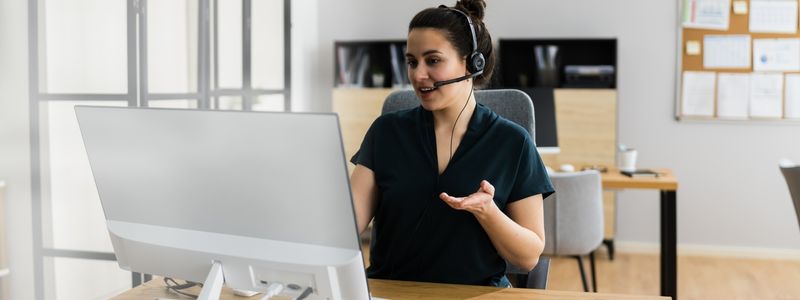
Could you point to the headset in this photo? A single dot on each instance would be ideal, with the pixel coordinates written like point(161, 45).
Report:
point(475, 62)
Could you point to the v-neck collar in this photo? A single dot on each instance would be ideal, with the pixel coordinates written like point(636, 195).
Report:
point(478, 124)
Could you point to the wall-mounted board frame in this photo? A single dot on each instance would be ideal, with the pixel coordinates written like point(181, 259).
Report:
point(738, 61)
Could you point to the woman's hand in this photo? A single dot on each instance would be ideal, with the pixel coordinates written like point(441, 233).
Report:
point(479, 203)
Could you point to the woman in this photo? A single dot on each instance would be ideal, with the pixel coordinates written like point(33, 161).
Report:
point(453, 188)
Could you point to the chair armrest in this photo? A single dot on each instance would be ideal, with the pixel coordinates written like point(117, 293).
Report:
point(537, 278)
point(533, 279)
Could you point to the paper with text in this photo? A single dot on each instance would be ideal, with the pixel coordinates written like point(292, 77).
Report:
point(766, 95)
point(726, 51)
point(792, 107)
point(778, 16)
point(697, 95)
point(733, 95)
point(776, 55)
point(706, 14)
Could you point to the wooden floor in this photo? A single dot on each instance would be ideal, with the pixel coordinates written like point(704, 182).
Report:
point(699, 277)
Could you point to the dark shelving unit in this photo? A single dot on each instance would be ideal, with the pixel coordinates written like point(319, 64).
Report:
point(358, 61)
point(519, 65)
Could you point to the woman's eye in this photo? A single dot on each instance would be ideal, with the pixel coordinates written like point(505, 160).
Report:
point(433, 61)
point(411, 63)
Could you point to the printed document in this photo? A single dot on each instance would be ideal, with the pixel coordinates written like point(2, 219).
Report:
point(697, 96)
point(726, 51)
point(792, 96)
point(776, 55)
point(733, 95)
point(706, 14)
point(778, 16)
point(766, 95)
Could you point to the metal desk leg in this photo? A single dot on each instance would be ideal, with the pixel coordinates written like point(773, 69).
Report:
point(669, 249)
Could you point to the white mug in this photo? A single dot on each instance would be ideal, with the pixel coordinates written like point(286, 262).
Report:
point(627, 160)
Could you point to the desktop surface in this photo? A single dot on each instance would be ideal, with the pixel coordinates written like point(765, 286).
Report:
point(396, 290)
point(613, 179)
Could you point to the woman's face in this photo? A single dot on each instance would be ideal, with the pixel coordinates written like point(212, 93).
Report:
point(431, 57)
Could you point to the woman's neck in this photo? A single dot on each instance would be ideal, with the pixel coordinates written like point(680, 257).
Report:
point(445, 118)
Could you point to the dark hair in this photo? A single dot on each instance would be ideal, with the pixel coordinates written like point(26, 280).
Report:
point(457, 31)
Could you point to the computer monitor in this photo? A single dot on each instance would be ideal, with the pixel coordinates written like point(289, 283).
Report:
point(261, 199)
point(544, 111)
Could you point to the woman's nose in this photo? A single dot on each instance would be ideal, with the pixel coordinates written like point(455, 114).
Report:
point(417, 74)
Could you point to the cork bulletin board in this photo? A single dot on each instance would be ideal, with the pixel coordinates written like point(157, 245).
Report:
point(736, 73)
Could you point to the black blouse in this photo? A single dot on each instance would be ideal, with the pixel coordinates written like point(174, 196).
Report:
point(417, 236)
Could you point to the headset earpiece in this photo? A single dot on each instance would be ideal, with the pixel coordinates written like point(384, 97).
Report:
point(475, 62)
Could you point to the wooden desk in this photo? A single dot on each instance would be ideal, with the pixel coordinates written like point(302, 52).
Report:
point(668, 186)
point(395, 290)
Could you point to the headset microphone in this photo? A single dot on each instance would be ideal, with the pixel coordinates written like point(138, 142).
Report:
point(437, 84)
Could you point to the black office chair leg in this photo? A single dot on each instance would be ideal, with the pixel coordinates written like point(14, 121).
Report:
point(609, 243)
point(594, 271)
point(583, 273)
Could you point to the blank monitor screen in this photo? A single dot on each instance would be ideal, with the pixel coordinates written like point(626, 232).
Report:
point(545, 117)
point(183, 168)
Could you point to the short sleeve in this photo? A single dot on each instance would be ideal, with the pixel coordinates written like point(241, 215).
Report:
point(366, 153)
point(531, 178)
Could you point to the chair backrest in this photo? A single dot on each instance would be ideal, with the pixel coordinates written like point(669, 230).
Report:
point(513, 105)
point(573, 216)
point(792, 175)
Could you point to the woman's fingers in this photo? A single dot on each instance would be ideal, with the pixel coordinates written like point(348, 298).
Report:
point(464, 203)
point(487, 187)
point(450, 199)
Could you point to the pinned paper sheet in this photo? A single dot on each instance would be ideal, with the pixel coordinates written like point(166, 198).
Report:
point(792, 108)
point(697, 95)
point(779, 16)
point(693, 47)
point(726, 51)
point(733, 95)
point(766, 95)
point(740, 7)
point(706, 14)
point(776, 55)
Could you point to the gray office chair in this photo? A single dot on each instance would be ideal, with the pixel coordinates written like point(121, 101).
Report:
point(513, 105)
point(517, 107)
point(791, 172)
point(573, 218)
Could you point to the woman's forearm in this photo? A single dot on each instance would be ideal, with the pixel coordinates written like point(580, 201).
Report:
point(364, 191)
point(518, 245)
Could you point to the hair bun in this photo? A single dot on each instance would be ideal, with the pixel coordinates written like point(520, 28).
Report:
point(473, 8)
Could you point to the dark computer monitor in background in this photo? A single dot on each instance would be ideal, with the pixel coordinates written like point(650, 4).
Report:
point(544, 111)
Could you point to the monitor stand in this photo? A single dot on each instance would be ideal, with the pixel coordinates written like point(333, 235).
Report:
point(212, 287)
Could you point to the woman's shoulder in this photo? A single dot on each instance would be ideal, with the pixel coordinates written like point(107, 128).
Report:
point(510, 129)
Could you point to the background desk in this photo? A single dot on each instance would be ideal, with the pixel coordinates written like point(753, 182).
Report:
point(396, 290)
point(668, 186)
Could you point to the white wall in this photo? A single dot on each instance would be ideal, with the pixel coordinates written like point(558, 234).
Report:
point(305, 49)
point(731, 193)
point(15, 145)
